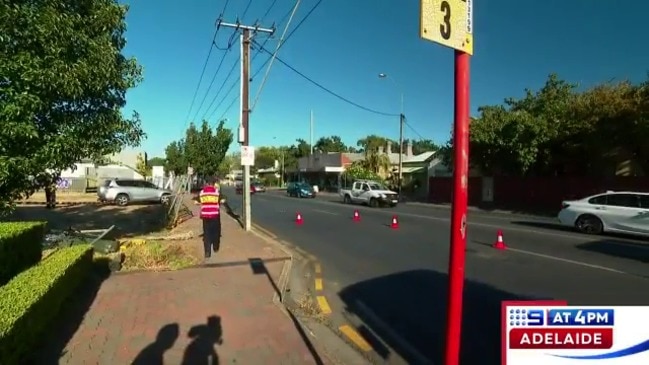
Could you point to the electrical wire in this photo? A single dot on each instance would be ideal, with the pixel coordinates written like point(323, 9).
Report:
point(218, 68)
point(279, 44)
point(374, 111)
point(218, 92)
point(308, 14)
point(207, 59)
point(245, 11)
point(207, 111)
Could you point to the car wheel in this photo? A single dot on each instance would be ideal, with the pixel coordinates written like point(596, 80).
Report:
point(374, 203)
point(347, 199)
point(589, 224)
point(165, 199)
point(122, 200)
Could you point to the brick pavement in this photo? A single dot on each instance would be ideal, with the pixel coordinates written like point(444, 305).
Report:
point(226, 306)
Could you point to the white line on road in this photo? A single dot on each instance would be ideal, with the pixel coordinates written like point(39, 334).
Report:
point(509, 227)
point(324, 211)
point(579, 263)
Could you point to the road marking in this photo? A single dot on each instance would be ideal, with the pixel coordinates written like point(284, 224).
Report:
point(576, 236)
point(324, 305)
point(318, 284)
point(355, 337)
point(318, 269)
point(579, 263)
point(324, 212)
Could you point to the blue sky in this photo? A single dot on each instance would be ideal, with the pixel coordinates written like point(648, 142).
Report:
point(344, 45)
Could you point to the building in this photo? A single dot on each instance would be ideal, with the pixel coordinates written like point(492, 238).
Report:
point(326, 169)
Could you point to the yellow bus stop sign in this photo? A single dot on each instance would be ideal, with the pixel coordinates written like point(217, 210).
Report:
point(449, 23)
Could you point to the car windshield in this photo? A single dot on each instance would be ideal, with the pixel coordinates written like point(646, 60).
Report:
point(376, 186)
point(303, 186)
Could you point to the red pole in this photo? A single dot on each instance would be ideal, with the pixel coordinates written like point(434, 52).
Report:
point(458, 217)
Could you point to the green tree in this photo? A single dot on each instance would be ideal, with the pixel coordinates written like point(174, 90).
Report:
point(419, 146)
point(63, 84)
point(141, 165)
point(175, 160)
point(156, 161)
point(357, 171)
point(265, 157)
point(206, 148)
point(373, 142)
point(330, 144)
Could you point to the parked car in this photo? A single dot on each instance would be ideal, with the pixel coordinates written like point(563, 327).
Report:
point(614, 211)
point(125, 191)
point(300, 190)
point(258, 187)
point(371, 193)
point(239, 189)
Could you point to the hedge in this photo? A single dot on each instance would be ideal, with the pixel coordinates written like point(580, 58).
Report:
point(32, 300)
point(21, 245)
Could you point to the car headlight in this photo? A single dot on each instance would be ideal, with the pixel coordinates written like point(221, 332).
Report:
point(382, 196)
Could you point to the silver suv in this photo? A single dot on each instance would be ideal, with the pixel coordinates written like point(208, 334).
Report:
point(122, 192)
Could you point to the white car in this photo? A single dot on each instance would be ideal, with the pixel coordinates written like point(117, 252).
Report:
point(613, 211)
point(371, 193)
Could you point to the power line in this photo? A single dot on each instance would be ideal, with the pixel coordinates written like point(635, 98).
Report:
point(207, 111)
point(308, 14)
point(209, 53)
point(218, 68)
point(245, 11)
point(281, 40)
point(326, 89)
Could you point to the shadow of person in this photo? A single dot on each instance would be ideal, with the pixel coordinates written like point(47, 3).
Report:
point(204, 337)
point(153, 354)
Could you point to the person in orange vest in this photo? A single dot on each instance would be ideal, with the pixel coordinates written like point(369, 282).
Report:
point(210, 213)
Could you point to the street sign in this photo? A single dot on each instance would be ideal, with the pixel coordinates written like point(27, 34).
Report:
point(449, 23)
point(247, 156)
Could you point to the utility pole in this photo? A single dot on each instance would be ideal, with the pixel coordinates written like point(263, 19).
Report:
point(311, 132)
point(245, 39)
point(401, 121)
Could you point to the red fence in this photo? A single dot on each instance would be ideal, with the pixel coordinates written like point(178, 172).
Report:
point(534, 192)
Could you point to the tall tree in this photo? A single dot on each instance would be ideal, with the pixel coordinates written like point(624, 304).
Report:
point(63, 84)
point(205, 148)
point(302, 148)
point(156, 161)
point(175, 160)
point(419, 146)
point(330, 144)
point(373, 142)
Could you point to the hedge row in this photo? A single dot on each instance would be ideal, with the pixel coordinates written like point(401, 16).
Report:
point(20, 247)
point(32, 299)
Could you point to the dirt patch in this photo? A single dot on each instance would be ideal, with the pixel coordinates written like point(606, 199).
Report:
point(158, 256)
point(130, 221)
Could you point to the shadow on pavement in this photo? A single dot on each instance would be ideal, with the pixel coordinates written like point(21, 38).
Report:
point(129, 221)
point(205, 337)
point(622, 249)
point(259, 268)
point(407, 311)
point(545, 225)
point(153, 353)
point(70, 317)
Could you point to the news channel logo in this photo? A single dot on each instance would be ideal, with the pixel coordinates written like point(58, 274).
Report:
point(568, 335)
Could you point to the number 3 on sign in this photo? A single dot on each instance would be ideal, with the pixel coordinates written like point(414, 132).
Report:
point(449, 23)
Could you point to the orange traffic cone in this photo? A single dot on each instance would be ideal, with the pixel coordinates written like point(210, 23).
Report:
point(298, 218)
point(357, 216)
point(500, 242)
point(395, 222)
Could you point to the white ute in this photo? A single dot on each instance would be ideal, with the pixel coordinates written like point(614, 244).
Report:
point(371, 193)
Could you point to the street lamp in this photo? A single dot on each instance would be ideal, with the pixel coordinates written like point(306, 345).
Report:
point(281, 176)
point(401, 122)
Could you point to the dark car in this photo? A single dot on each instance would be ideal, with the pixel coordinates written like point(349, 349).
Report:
point(300, 190)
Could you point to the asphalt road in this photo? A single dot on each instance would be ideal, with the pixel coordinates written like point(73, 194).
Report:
point(400, 275)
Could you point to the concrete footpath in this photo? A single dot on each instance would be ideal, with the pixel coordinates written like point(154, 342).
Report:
point(224, 312)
